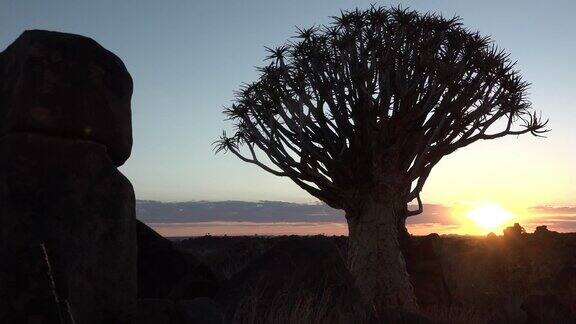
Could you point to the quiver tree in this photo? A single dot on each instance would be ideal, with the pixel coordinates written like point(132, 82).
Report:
point(357, 113)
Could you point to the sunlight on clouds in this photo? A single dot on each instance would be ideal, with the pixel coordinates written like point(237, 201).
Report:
point(473, 218)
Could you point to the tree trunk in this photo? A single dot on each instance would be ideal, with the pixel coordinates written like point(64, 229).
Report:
point(375, 259)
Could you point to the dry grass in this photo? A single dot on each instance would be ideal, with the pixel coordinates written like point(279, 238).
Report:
point(302, 307)
point(294, 307)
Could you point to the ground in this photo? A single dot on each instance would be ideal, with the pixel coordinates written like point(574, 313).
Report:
point(494, 279)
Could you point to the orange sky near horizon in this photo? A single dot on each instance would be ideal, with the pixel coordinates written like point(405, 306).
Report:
point(462, 224)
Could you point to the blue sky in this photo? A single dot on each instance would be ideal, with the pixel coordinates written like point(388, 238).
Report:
point(187, 58)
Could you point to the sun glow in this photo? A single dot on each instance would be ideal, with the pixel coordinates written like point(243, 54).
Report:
point(489, 216)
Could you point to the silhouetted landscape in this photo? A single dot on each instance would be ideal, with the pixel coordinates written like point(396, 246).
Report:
point(355, 113)
point(513, 278)
point(196, 218)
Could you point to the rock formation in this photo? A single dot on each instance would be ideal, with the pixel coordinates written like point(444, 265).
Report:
point(66, 86)
point(514, 232)
point(298, 269)
point(160, 265)
point(543, 231)
point(64, 129)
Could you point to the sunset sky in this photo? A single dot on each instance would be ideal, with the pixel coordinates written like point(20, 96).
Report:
point(188, 57)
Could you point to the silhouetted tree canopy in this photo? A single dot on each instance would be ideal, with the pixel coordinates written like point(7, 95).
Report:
point(370, 104)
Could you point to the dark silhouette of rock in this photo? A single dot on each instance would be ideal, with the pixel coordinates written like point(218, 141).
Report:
point(492, 236)
point(64, 128)
point(160, 265)
point(293, 269)
point(68, 86)
point(167, 272)
point(69, 195)
point(34, 293)
point(543, 231)
point(199, 281)
point(515, 231)
point(201, 310)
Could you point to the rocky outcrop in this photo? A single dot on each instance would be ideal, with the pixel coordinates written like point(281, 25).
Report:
point(164, 271)
point(66, 86)
point(160, 265)
point(64, 129)
point(296, 272)
point(543, 232)
point(514, 232)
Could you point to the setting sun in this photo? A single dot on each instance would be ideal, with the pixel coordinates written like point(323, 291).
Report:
point(489, 216)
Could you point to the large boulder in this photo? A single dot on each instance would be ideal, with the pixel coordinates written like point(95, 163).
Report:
point(302, 277)
point(68, 86)
point(164, 271)
point(160, 265)
point(69, 196)
point(64, 128)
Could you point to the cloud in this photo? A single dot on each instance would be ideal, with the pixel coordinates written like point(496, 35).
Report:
point(267, 213)
point(554, 210)
point(262, 212)
point(237, 211)
point(559, 218)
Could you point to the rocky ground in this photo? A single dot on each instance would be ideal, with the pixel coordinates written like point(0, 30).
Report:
point(517, 278)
